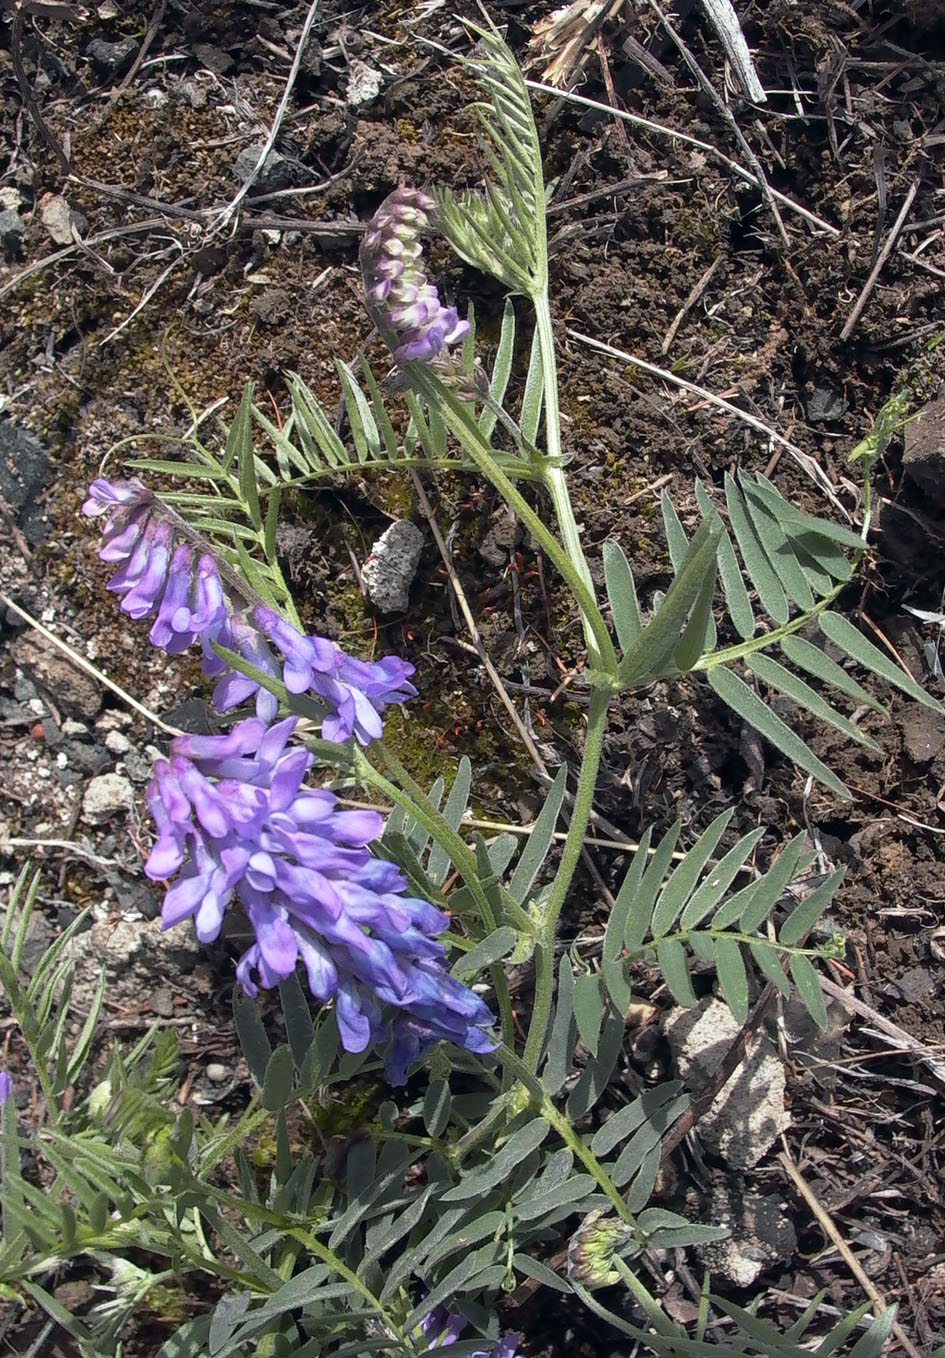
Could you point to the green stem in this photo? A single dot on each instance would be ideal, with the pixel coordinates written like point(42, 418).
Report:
point(573, 845)
point(573, 572)
point(556, 481)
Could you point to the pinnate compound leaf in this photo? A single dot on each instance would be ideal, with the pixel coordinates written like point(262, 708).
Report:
point(539, 841)
point(682, 882)
point(596, 1075)
point(641, 905)
point(252, 1036)
point(811, 658)
point(730, 573)
point(711, 890)
point(850, 639)
point(652, 652)
point(485, 1177)
point(669, 1230)
point(673, 964)
point(760, 571)
point(642, 1111)
point(438, 863)
point(437, 1103)
point(746, 704)
point(492, 949)
point(804, 916)
point(563, 1031)
point(780, 553)
point(773, 674)
point(277, 1081)
point(768, 963)
point(733, 978)
point(588, 1009)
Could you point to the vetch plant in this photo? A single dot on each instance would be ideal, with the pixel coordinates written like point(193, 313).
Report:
point(512, 1157)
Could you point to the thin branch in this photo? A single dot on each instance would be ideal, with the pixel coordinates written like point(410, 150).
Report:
point(674, 134)
point(87, 667)
point(228, 212)
point(881, 259)
point(810, 466)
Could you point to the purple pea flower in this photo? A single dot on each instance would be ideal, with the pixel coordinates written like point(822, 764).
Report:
point(236, 825)
point(442, 1328)
point(185, 597)
point(403, 303)
point(160, 578)
point(356, 691)
point(6, 1086)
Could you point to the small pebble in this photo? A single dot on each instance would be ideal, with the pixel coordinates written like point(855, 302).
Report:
point(217, 1072)
point(389, 571)
point(117, 743)
point(162, 1003)
point(105, 795)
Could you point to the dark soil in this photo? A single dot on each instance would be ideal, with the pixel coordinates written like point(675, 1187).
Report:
point(151, 315)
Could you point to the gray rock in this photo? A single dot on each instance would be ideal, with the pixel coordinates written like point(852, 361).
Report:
point(388, 573)
point(749, 1112)
point(24, 475)
point(69, 688)
point(105, 796)
point(117, 743)
point(12, 230)
point(162, 1002)
point(275, 174)
point(84, 759)
point(111, 58)
point(59, 218)
point(364, 84)
point(761, 1234)
point(825, 405)
point(923, 459)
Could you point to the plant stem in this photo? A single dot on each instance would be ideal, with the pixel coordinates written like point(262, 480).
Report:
point(573, 571)
point(573, 844)
point(554, 476)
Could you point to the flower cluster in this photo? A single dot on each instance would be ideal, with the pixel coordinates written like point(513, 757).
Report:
point(442, 1328)
point(188, 601)
point(6, 1086)
point(236, 823)
point(404, 304)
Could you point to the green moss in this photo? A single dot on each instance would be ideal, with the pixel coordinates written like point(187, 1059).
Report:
point(406, 131)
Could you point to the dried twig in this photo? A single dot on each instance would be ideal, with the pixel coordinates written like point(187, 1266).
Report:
point(728, 117)
point(881, 259)
point(810, 466)
point(87, 667)
point(724, 20)
point(690, 302)
point(826, 1222)
point(228, 212)
point(674, 134)
point(26, 90)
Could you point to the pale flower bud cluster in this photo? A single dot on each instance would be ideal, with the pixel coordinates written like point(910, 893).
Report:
point(404, 304)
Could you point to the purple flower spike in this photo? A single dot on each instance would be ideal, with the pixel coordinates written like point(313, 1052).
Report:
point(156, 577)
point(6, 1086)
point(404, 305)
point(236, 823)
point(355, 691)
point(159, 578)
